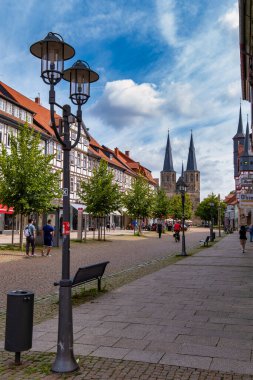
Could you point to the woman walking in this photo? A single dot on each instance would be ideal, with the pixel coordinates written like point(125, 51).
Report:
point(243, 237)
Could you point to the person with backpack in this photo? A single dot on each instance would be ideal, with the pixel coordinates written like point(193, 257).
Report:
point(29, 233)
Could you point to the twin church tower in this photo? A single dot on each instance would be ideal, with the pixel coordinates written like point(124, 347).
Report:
point(191, 175)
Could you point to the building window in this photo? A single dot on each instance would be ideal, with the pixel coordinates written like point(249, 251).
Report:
point(85, 162)
point(78, 160)
point(8, 142)
point(197, 177)
point(50, 147)
point(71, 184)
point(78, 185)
point(72, 158)
point(191, 177)
point(89, 164)
point(58, 154)
point(1, 133)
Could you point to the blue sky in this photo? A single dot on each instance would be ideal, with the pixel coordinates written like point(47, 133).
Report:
point(163, 64)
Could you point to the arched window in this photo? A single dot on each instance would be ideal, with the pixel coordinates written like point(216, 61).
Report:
point(197, 177)
point(191, 177)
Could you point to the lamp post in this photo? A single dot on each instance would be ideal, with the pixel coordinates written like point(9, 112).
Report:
point(182, 187)
point(211, 204)
point(53, 51)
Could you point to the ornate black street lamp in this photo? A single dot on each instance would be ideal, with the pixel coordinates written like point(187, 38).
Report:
point(211, 204)
point(53, 51)
point(181, 188)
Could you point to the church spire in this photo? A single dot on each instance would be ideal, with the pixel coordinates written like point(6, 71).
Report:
point(191, 162)
point(247, 142)
point(240, 125)
point(168, 162)
point(182, 171)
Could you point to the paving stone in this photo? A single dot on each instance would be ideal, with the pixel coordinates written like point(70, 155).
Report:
point(216, 352)
point(144, 356)
point(131, 343)
point(111, 352)
point(226, 365)
point(186, 361)
point(203, 340)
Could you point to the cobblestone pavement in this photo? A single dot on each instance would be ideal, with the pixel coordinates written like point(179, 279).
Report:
point(189, 321)
point(39, 273)
point(37, 366)
point(196, 313)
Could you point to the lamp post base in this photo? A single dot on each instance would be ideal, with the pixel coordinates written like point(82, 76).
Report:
point(65, 360)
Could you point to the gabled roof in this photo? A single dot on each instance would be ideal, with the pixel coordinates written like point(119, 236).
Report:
point(41, 117)
point(41, 114)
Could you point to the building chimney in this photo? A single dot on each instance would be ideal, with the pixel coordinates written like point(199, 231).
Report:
point(37, 100)
point(127, 153)
point(116, 150)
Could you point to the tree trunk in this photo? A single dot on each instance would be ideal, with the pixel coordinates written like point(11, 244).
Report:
point(21, 228)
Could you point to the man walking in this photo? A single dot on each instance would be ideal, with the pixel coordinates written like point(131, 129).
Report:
point(30, 237)
point(48, 231)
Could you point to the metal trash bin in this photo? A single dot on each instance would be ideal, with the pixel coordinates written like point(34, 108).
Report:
point(19, 322)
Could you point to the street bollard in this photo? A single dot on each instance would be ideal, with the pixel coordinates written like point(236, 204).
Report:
point(19, 322)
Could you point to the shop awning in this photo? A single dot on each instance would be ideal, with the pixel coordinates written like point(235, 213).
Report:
point(116, 213)
point(78, 206)
point(5, 210)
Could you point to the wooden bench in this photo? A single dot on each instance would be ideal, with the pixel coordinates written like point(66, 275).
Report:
point(206, 241)
point(87, 274)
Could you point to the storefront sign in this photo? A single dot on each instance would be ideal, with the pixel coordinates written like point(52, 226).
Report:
point(246, 200)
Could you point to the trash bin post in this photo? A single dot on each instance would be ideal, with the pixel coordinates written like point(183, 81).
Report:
point(19, 322)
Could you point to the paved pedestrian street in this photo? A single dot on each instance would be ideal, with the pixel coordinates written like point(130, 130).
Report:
point(189, 320)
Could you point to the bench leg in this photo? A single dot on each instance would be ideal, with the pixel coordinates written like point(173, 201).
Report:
point(99, 284)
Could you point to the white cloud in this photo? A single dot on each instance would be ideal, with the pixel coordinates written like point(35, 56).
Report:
point(167, 21)
point(124, 102)
point(231, 18)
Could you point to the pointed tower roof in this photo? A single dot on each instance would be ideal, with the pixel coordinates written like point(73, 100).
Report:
point(246, 151)
point(191, 162)
point(168, 162)
point(182, 171)
point(240, 125)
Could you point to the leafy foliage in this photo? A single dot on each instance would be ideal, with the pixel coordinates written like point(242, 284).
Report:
point(139, 199)
point(206, 212)
point(176, 206)
point(27, 181)
point(161, 205)
point(99, 193)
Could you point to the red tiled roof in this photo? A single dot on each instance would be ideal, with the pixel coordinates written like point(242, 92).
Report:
point(41, 114)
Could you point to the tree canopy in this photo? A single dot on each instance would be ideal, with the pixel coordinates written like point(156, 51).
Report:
point(101, 195)
point(161, 204)
point(139, 199)
point(176, 209)
point(27, 181)
point(208, 208)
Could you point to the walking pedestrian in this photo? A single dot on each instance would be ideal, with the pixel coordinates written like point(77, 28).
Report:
point(243, 237)
point(159, 229)
point(48, 231)
point(251, 232)
point(29, 233)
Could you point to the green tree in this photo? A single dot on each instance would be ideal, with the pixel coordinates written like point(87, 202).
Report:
point(161, 204)
point(139, 200)
point(176, 209)
point(99, 193)
point(27, 181)
point(206, 212)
